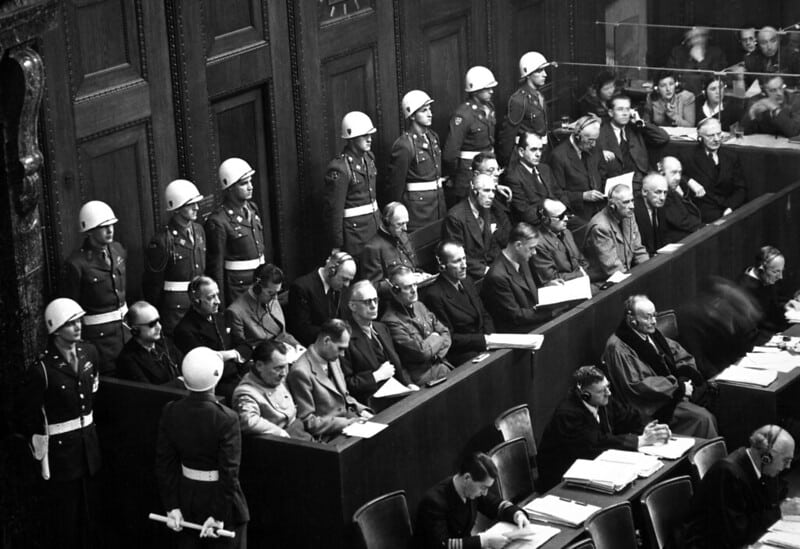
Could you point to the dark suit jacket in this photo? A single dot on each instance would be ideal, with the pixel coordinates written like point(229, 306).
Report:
point(464, 314)
point(681, 217)
point(724, 184)
point(556, 258)
point(510, 297)
point(651, 239)
point(480, 247)
point(573, 433)
point(528, 191)
point(309, 307)
point(136, 363)
point(360, 361)
point(574, 179)
point(639, 139)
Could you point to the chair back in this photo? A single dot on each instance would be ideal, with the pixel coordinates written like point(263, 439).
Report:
point(514, 479)
point(667, 323)
point(707, 455)
point(612, 527)
point(384, 522)
point(516, 422)
point(665, 505)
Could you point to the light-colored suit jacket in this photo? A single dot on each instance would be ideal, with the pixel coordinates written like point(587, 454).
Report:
point(611, 246)
point(251, 323)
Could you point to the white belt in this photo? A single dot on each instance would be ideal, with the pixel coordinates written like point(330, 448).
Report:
point(243, 265)
point(71, 425)
point(469, 155)
point(425, 185)
point(361, 210)
point(104, 318)
point(196, 474)
point(176, 285)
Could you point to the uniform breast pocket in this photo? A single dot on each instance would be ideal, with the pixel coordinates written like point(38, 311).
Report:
point(473, 130)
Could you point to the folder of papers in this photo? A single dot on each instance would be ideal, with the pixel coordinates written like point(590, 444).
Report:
point(618, 277)
point(514, 341)
point(364, 429)
point(780, 361)
point(788, 524)
point(602, 476)
point(644, 464)
point(392, 388)
point(749, 376)
point(674, 448)
point(558, 510)
point(572, 290)
point(534, 535)
point(624, 179)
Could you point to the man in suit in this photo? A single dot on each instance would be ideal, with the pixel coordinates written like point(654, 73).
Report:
point(715, 174)
point(648, 210)
point(478, 226)
point(509, 291)
point(576, 168)
point(681, 216)
point(371, 358)
point(421, 340)
point(317, 296)
point(587, 422)
point(740, 495)
point(613, 243)
point(454, 300)
point(530, 180)
point(557, 255)
point(624, 140)
point(256, 315)
point(148, 357)
point(775, 113)
point(448, 510)
point(318, 386)
point(388, 248)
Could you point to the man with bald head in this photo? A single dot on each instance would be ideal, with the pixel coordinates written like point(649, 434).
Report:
point(681, 216)
point(768, 58)
point(740, 496)
point(389, 247)
point(557, 255)
point(613, 243)
point(648, 209)
point(147, 357)
point(775, 112)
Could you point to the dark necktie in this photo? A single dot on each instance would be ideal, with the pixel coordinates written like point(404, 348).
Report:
point(73, 361)
point(564, 246)
point(585, 160)
point(106, 257)
point(481, 222)
point(333, 303)
point(460, 287)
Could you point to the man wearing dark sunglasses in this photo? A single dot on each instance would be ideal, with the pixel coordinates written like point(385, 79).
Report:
point(147, 357)
point(557, 255)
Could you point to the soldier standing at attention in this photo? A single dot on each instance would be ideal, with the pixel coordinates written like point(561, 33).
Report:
point(56, 417)
point(471, 132)
point(415, 170)
point(175, 255)
point(350, 213)
point(198, 451)
point(235, 233)
point(526, 106)
point(94, 276)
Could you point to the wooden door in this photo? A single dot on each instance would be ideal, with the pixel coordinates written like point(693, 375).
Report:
point(108, 123)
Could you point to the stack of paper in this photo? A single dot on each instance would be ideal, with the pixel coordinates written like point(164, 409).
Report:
point(364, 429)
point(644, 464)
point(618, 277)
point(534, 535)
point(749, 376)
point(781, 539)
point(571, 290)
point(392, 388)
point(780, 340)
point(780, 361)
point(603, 476)
point(514, 341)
point(793, 316)
point(624, 179)
point(674, 448)
point(558, 510)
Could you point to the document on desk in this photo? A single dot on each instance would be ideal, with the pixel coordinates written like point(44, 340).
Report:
point(364, 429)
point(644, 464)
point(624, 179)
point(792, 316)
point(789, 526)
point(601, 476)
point(618, 277)
point(748, 376)
point(780, 340)
point(781, 361)
point(514, 341)
point(781, 539)
point(674, 448)
point(558, 510)
point(531, 537)
point(669, 248)
point(392, 388)
point(571, 290)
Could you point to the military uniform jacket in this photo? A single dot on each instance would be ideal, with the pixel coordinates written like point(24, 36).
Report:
point(612, 245)
point(263, 410)
point(233, 235)
point(410, 331)
point(349, 183)
point(175, 254)
point(200, 433)
point(250, 322)
point(526, 112)
point(52, 387)
point(471, 129)
point(416, 158)
point(381, 253)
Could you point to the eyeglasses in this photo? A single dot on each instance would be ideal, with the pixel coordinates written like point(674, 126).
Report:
point(151, 324)
point(369, 301)
point(562, 216)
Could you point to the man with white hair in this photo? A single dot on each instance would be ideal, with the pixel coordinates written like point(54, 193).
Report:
point(648, 210)
point(681, 216)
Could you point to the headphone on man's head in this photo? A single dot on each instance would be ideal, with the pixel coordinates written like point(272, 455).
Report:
point(765, 256)
point(583, 123)
point(765, 444)
point(335, 261)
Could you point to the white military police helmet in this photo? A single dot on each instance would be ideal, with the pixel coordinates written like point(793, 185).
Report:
point(61, 311)
point(414, 101)
point(479, 78)
point(355, 124)
point(201, 369)
point(531, 62)
point(95, 214)
point(234, 170)
point(181, 193)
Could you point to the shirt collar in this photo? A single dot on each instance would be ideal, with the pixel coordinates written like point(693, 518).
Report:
point(514, 263)
point(475, 211)
point(593, 409)
point(325, 286)
point(574, 146)
point(756, 468)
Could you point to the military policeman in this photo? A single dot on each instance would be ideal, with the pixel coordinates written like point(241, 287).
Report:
point(526, 106)
point(415, 169)
point(175, 255)
point(235, 232)
point(56, 401)
point(198, 452)
point(472, 129)
point(95, 277)
point(350, 209)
